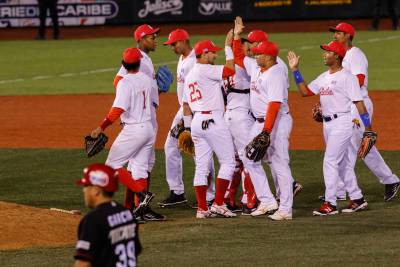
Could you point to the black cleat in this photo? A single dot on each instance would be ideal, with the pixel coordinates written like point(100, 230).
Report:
point(247, 211)
point(391, 191)
point(173, 199)
point(151, 215)
point(233, 208)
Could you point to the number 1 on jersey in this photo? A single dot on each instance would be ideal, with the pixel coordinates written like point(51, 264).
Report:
point(195, 93)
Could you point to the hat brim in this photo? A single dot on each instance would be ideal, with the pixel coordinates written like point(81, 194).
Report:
point(82, 182)
point(333, 29)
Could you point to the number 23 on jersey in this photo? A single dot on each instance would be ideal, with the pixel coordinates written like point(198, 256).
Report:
point(195, 93)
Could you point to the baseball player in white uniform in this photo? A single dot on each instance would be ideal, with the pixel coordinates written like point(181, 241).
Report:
point(203, 97)
point(239, 119)
point(180, 44)
point(338, 89)
point(145, 37)
point(356, 62)
point(253, 39)
point(132, 104)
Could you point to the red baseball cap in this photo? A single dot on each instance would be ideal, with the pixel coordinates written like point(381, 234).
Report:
point(343, 27)
point(144, 30)
point(177, 35)
point(256, 36)
point(205, 46)
point(131, 55)
point(266, 48)
point(101, 175)
point(336, 47)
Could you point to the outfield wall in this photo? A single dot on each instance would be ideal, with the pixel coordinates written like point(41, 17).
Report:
point(24, 13)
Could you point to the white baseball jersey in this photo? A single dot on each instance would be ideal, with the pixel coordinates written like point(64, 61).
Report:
point(356, 62)
point(182, 70)
point(147, 67)
point(132, 95)
point(241, 80)
point(251, 63)
point(337, 91)
point(267, 86)
point(202, 90)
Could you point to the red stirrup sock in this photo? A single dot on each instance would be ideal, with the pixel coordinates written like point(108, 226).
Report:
point(128, 199)
point(220, 189)
point(201, 193)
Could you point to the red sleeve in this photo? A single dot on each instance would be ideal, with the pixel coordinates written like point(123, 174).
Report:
point(361, 79)
point(309, 92)
point(112, 116)
point(272, 112)
point(238, 53)
point(227, 72)
point(116, 80)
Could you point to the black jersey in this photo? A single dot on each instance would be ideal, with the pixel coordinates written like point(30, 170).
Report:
point(108, 236)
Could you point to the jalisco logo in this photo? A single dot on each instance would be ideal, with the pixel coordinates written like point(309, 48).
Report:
point(160, 7)
point(106, 9)
point(209, 7)
point(326, 91)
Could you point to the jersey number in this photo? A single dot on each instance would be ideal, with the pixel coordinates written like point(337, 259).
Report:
point(195, 93)
point(126, 254)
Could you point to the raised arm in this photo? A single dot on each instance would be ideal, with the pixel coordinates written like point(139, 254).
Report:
point(294, 61)
point(237, 44)
point(229, 68)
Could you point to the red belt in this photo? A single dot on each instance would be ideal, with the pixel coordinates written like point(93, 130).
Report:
point(206, 112)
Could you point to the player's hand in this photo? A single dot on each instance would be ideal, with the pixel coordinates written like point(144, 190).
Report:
point(229, 38)
point(96, 132)
point(293, 60)
point(238, 26)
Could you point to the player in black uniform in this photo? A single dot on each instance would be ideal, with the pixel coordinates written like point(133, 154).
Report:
point(108, 234)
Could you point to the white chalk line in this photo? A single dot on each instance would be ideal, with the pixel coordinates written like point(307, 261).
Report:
point(67, 75)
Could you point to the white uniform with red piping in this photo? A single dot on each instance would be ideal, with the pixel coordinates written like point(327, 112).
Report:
point(202, 91)
point(337, 93)
point(147, 67)
point(271, 86)
point(173, 157)
point(136, 139)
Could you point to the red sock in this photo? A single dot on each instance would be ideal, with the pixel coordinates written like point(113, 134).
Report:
point(128, 200)
point(126, 179)
point(143, 184)
point(220, 189)
point(233, 187)
point(201, 193)
point(249, 188)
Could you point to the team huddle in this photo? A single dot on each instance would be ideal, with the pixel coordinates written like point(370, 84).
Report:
point(239, 112)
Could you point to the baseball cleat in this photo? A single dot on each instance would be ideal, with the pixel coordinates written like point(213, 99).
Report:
point(233, 208)
point(280, 216)
point(246, 211)
point(326, 209)
point(391, 191)
point(297, 187)
point(222, 210)
point(265, 209)
point(204, 214)
point(356, 205)
point(173, 199)
point(338, 198)
point(151, 215)
point(145, 198)
point(209, 203)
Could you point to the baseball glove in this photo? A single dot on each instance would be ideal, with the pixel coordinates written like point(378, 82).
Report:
point(317, 112)
point(185, 143)
point(257, 148)
point(164, 78)
point(367, 142)
point(94, 145)
point(177, 130)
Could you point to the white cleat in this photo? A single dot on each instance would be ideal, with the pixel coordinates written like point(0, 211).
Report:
point(204, 214)
point(264, 209)
point(280, 216)
point(222, 210)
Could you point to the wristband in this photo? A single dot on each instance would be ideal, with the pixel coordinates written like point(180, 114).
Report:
point(187, 121)
point(228, 53)
point(365, 119)
point(106, 122)
point(297, 77)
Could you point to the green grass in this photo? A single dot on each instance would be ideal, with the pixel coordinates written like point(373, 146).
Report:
point(45, 178)
point(29, 59)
